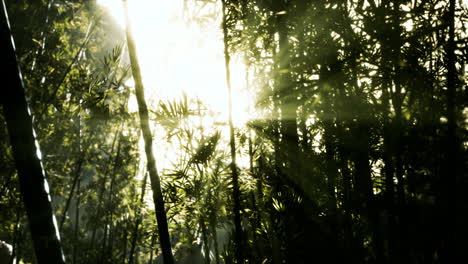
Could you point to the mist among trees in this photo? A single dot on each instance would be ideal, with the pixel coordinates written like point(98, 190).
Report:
point(351, 147)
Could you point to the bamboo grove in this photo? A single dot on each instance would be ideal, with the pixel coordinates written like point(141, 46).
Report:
point(355, 149)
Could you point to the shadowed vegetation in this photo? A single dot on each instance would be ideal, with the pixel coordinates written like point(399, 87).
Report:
point(246, 131)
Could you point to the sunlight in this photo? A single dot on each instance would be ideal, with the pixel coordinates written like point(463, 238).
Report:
point(177, 56)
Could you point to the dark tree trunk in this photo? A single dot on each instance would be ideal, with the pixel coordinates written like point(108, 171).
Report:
point(330, 163)
point(77, 224)
point(160, 211)
point(108, 241)
point(76, 180)
point(353, 250)
point(138, 220)
point(388, 169)
point(450, 248)
point(289, 146)
point(398, 101)
point(16, 238)
point(238, 236)
point(33, 184)
point(91, 251)
point(398, 135)
point(125, 243)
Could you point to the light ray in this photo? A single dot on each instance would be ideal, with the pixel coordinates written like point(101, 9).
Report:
point(177, 56)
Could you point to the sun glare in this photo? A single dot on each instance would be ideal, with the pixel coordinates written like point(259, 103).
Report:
point(179, 56)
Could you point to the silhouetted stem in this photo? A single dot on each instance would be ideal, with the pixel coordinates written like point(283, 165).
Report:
point(232, 143)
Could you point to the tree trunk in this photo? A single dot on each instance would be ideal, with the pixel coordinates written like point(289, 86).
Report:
point(138, 220)
point(235, 177)
point(125, 236)
point(77, 223)
point(450, 250)
point(388, 169)
point(288, 103)
point(46, 25)
point(331, 168)
point(16, 238)
point(76, 180)
point(352, 250)
point(108, 242)
point(397, 100)
point(161, 217)
point(101, 195)
point(33, 184)
point(78, 194)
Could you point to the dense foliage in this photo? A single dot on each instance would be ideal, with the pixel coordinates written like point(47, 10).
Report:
point(357, 152)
